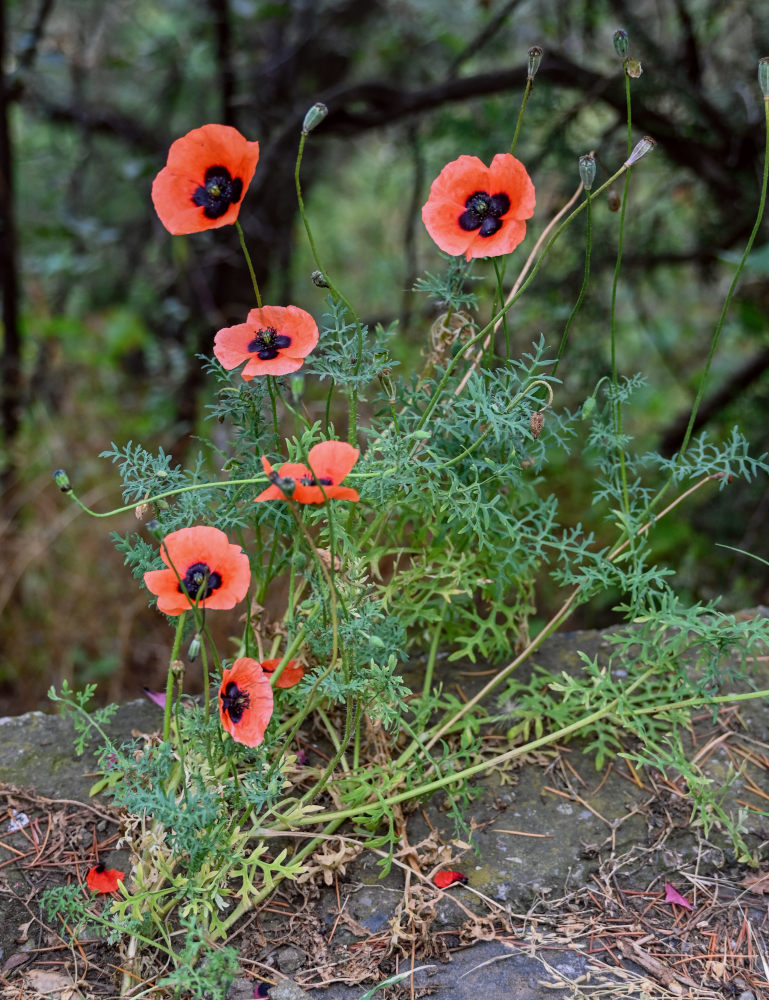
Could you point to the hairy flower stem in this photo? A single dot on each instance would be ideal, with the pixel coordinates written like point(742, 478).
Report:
point(352, 432)
point(501, 292)
point(248, 262)
point(430, 665)
point(518, 124)
point(478, 338)
point(585, 279)
point(170, 679)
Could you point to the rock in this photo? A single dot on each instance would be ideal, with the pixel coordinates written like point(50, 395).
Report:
point(289, 959)
point(288, 990)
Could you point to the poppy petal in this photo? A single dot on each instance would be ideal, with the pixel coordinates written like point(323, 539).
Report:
point(290, 675)
point(285, 334)
point(101, 879)
point(245, 701)
point(444, 878)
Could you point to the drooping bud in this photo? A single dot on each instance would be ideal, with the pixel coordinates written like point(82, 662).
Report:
point(536, 423)
point(763, 76)
point(154, 528)
point(587, 170)
point(318, 279)
point(314, 117)
point(61, 479)
point(286, 485)
point(535, 58)
point(614, 200)
point(646, 145)
point(194, 651)
point(621, 43)
point(633, 68)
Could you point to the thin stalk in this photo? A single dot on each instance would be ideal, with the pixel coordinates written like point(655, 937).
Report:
point(170, 679)
point(248, 262)
point(501, 293)
point(526, 93)
point(432, 655)
point(585, 279)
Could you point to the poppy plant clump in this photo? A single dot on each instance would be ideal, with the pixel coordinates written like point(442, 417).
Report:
point(477, 210)
point(329, 462)
point(245, 701)
point(204, 179)
point(274, 340)
point(204, 570)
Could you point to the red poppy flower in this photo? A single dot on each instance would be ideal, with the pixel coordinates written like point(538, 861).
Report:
point(291, 674)
point(444, 878)
point(329, 461)
point(102, 879)
point(245, 701)
point(478, 210)
point(204, 569)
point(274, 340)
point(204, 179)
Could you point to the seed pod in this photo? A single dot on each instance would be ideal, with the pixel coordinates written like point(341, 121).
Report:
point(763, 76)
point(314, 117)
point(535, 58)
point(587, 170)
point(621, 43)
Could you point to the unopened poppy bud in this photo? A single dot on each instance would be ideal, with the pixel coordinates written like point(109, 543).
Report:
point(587, 170)
point(646, 145)
point(194, 651)
point(318, 279)
point(535, 58)
point(621, 43)
point(286, 485)
point(299, 561)
point(763, 76)
point(633, 68)
point(314, 117)
point(587, 408)
point(61, 479)
point(177, 669)
point(154, 528)
point(536, 423)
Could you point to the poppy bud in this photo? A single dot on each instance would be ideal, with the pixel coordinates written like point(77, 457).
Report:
point(587, 408)
point(641, 149)
point(587, 170)
point(314, 117)
point(535, 58)
point(299, 561)
point(763, 76)
point(621, 43)
point(536, 423)
point(286, 485)
point(61, 479)
point(154, 528)
point(194, 649)
point(319, 280)
point(633, 68)
point(177, 669)
point(614, 200)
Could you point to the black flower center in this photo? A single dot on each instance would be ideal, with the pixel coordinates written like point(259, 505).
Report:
point(483, 211)
point(199, 582)
point(311, 481)
point(234, 701)
point(219, 190)
point(267, 343)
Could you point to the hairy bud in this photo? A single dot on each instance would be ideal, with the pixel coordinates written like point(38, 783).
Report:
point(61, 479)
point(535, 58)
point(314, 117)
point(621, 43)
point(536, 423)
point(587, 170)
point(319, 280)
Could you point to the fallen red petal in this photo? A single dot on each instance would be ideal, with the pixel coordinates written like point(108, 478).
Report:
point(444, 878)
point(101, 879)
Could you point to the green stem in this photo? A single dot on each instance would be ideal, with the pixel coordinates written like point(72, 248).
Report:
point(430, 666)
point(585, 279)
point(526, 93)
point(170, 679)
point(248, 261)
point(501, 293)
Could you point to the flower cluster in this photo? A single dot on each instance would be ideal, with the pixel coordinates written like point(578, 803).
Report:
point(474, 210)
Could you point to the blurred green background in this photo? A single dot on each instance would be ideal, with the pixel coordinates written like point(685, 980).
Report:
point(104, 312)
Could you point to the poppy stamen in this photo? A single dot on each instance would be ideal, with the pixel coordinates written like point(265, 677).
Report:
point(321, 481)
point(219, 191)
point(483, 212)
point(267, 342)
point(234, 701)
point(199, 582)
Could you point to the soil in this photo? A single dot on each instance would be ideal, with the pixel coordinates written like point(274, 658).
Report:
point(580, 883)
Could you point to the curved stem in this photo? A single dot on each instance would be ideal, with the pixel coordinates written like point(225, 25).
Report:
point(248, 261)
